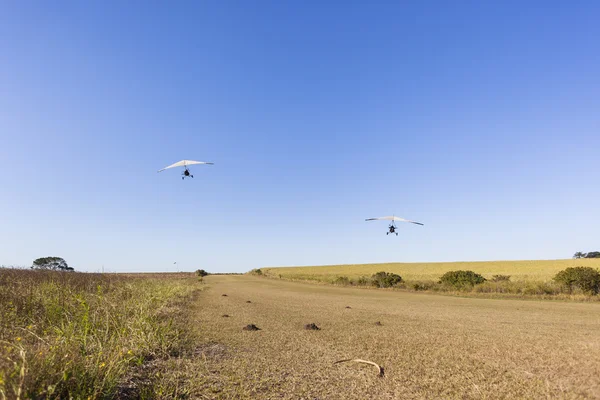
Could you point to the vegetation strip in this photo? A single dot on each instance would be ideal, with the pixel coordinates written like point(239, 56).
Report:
point(75, 335)
point(574, 282)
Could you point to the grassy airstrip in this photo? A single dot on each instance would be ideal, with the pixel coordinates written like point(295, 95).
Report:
point(170, 336)
point(537, 270)
point(430, 346)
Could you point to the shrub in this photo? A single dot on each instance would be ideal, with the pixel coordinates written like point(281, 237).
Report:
point(500, 278)
point(385, 279)
point(364, 281)
point(342, 280)
point(201, 273)
point(585, 278)
point(256, 271)
point(461, 279)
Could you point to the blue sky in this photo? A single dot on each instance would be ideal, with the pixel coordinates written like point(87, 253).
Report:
point(480, 120)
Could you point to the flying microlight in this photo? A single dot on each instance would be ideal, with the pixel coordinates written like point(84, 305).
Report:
point(185, 164)
point(392, 228)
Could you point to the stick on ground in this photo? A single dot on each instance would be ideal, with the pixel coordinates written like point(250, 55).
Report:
point(379, 368)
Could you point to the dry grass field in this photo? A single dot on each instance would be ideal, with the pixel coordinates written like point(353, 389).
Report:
point(170, 336)
point(430, 346)
point(536, 270)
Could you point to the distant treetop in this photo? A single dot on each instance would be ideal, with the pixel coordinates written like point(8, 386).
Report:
point(591, 254)
point(52, 264)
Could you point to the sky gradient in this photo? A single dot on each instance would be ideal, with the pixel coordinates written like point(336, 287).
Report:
point(479, 120)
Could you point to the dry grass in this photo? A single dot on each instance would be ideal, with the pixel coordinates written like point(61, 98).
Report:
point(430, 346)
point(537, 270)
point(74, 335)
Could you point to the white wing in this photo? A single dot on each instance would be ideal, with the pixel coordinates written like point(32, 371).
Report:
point(184, 163)
point(393, 218)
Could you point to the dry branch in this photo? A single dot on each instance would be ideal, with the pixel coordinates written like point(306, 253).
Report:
point(358, 360)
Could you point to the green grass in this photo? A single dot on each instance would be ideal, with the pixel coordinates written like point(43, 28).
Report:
point(537, 270)
point(78, 335)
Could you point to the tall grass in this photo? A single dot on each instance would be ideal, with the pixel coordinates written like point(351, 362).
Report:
point(75, 335)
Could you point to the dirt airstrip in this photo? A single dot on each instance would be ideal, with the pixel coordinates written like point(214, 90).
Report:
point(430, 346)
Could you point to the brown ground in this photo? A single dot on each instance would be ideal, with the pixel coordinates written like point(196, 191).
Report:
point(431, 346)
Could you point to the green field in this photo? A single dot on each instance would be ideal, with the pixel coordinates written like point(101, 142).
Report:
point(530, 270)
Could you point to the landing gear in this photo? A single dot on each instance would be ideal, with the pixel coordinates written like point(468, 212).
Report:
point(186, 173)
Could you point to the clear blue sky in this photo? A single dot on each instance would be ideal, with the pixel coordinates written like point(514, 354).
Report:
point(480, 120)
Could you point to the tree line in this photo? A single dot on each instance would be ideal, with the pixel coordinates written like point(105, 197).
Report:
point(591, 254)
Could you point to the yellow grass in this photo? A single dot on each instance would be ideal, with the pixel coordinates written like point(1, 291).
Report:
point(430, 346)
point(530, 270)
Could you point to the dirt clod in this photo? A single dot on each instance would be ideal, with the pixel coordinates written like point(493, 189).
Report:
point(378, 323)
point(248, 301)
point(251, 327)
point(312, 327)
point(348, 307)
point(225, 315)
point(224, 295)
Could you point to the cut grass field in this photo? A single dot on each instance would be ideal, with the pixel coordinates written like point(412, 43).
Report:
point(528, 270)
point(430, 346)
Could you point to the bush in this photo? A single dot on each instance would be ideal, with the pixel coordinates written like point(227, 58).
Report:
point(500, 278)
point(461, 279)
point(364, 281)
point(585, 278)
point(256, 272)
point(201, 273)
point(385, 279)
point(342, 280)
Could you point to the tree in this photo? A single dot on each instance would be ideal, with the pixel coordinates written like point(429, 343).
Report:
point(201, 273)
point(52, 264)
point(579, 254)
point(593, 254)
